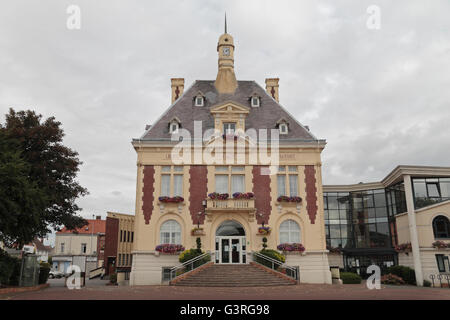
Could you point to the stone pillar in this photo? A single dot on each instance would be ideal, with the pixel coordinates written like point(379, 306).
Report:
point(413, 230)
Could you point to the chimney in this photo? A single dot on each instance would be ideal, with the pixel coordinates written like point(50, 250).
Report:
point(272, 87)
point(177, 88)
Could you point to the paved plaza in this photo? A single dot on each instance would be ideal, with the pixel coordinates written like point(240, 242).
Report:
point(98, 290)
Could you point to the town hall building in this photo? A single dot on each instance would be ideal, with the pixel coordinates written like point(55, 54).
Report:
point(226, 163)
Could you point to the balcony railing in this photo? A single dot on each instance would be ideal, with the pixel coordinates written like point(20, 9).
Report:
point(230, 204)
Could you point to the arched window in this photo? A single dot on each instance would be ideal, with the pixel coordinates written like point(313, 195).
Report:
point(170, 232)
point(289, 232)
point(230, 228)
point(441, 227)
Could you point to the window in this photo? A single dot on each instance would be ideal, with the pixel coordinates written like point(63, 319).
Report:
point(441, 227)
point(83, 248)
point(62, 247)
point(120, 259)
point(173, 127)
point(199, 101)
point(229, 127)
point(255, 101)
point(170, 232)
point(128, 236)
point(442, 263)
point(283, 127)
point(132, 236)
point(172, 181)
point(429, 191)
point(230, 179)
point(121, 236)
point(289, 232)
point(290, 176)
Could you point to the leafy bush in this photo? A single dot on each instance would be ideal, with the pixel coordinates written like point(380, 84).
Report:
point(113, 278)
point(271, 254)
point(392, 279)
point(44, 270)
point(191, 254)
point(406, 273)
point(426, 283)
point(350, 278)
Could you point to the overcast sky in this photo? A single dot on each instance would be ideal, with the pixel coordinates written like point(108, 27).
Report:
point(380, 97)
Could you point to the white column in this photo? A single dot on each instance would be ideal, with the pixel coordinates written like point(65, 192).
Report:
point(413, 230)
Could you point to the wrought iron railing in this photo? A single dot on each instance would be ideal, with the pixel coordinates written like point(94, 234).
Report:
point(189, 265)
point(440, 278)
point(276, 265)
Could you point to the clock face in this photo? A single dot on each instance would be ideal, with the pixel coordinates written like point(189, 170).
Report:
point(226, 51)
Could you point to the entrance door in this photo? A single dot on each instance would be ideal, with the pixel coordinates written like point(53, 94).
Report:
point(230, 250)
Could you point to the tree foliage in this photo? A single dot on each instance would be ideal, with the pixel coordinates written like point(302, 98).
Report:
point(38, 186)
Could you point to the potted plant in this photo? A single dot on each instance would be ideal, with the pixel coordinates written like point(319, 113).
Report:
point(404, 247)
point(176, 199)
point(440, 245)
point(197, 231)
point(264, 230)
point(243, 195)
point(291, 247)
point(218, 196)
point(169, 248)
point(289, 199)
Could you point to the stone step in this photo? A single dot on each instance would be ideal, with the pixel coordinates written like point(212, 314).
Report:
point(245, 275)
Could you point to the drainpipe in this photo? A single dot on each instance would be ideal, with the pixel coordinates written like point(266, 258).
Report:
point(413, 230)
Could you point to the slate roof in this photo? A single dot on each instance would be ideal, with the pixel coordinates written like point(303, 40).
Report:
point(265, 116)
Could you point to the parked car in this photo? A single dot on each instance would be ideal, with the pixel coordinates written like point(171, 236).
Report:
point(55, 274)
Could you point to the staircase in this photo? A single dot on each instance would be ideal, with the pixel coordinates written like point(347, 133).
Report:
point(234, 275)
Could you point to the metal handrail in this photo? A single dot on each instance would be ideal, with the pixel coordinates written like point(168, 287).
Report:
point(293, 270)
point(173, 270)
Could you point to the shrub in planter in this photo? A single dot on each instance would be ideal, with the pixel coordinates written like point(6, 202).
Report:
point(426, 283)
point(113, 278)
point(191, 254)
point(44, 270)
point(406, 273)
point(350, 278)
point(271, 254)
point(392, 279)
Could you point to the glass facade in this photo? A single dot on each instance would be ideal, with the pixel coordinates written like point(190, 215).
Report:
point(362, 224)
point(428, 191)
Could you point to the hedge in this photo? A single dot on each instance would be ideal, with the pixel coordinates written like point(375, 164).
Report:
point(350, 278)
point(191, 254)
point(406, 273)
point(9, 269)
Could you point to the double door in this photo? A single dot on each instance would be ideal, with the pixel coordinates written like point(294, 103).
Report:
point(231, 249)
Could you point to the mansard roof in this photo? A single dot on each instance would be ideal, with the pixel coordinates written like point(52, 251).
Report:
point(263, 117)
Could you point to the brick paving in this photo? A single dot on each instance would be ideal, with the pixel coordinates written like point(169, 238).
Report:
point(296, 292)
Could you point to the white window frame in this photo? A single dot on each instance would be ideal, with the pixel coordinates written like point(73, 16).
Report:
point(283, 128)
point(229, 172)
point(84, 245)
point(292, 228)
point(288, 172)
point(257, 104)
point(174, 171)
point(173, 228)
point(171, 130)
point(201, 103)
point(225, 130)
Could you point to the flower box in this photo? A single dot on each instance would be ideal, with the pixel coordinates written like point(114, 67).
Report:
point(336, 250)
point(264, 231)
point(243, 195)
point(289, 199)
point(291, 248)
point(440, 245)
point(403, 247)
point(176, 199)
point(218, 196)
point(169, 248)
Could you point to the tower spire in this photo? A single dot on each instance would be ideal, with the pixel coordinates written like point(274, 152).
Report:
point(225, 22)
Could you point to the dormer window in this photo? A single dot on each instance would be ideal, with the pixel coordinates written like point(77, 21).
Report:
point(255, 101)
point(283, 127)
point(199, 101)
point(174, 125)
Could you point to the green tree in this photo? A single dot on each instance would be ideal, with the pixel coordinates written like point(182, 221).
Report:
point(37, 187)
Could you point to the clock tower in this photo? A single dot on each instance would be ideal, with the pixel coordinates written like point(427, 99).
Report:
point(226, 79)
